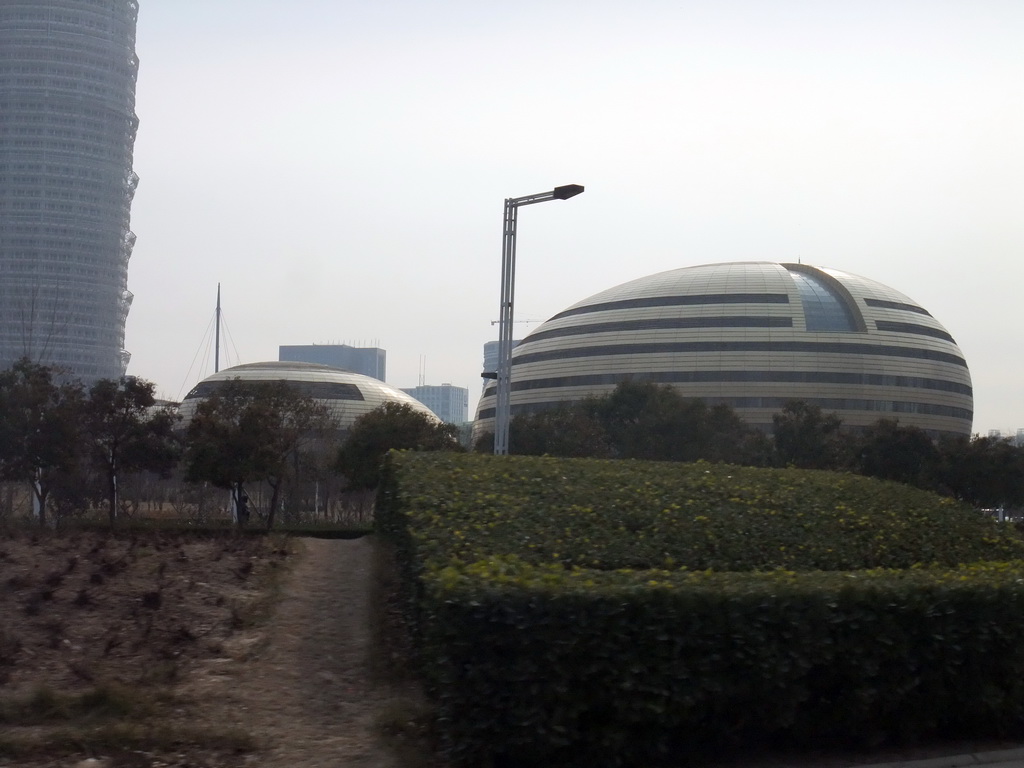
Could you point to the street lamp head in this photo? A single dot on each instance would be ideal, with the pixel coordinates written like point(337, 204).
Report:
point(569, 190)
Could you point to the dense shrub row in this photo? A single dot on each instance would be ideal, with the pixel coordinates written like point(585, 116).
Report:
point(558, 667)
point(600, 613)
point(633, 514)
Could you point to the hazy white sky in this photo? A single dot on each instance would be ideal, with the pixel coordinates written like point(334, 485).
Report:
point(340, 166)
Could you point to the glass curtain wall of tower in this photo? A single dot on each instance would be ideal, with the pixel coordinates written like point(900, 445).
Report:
point(67, 133)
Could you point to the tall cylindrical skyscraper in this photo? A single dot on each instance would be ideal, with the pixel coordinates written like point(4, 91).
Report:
point(67, 134)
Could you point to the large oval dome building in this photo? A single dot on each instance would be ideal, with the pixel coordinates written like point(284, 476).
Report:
point(752, 335)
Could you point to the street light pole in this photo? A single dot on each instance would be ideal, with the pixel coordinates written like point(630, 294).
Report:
point(503, 388)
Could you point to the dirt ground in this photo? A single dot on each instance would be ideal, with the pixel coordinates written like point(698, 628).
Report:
point(171, 651)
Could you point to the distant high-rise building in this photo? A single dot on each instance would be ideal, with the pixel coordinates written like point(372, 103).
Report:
point(1017, 438)
point(67, 137)
point(450, 404)
point(369, 361)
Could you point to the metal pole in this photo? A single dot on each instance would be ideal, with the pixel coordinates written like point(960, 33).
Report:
point(503, 383)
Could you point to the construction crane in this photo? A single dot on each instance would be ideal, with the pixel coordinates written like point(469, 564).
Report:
point(495, 322)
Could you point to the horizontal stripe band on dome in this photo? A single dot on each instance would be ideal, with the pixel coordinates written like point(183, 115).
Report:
point(885, 304)
point(318, 390)
point(662, 323)
point(678, 301)
point(922, 330)
point(829, 404)
point(815, 347)
point(723, 377)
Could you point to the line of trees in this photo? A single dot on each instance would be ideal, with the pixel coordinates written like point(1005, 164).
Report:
point(642, 420)
point(58, 436)
point(74, 447)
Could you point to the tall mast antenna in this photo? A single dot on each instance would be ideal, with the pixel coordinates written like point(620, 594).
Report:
point(216, 345)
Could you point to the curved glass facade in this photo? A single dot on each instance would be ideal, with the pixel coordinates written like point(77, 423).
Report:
point(823, 309)
point(67, 134)
point(752, 335)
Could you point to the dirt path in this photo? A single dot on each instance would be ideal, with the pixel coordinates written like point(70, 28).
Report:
point(305, 689)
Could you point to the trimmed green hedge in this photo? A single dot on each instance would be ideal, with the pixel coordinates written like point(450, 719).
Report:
point(632, 514)
point(576, 668)
point(537, 659)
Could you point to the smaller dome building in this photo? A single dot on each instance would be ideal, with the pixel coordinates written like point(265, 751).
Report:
point(348, 395)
